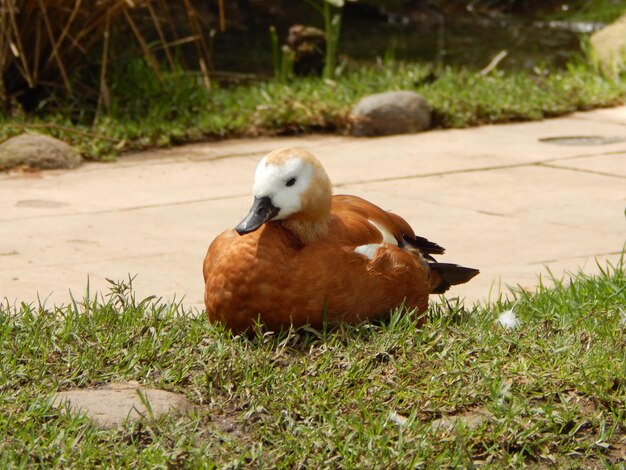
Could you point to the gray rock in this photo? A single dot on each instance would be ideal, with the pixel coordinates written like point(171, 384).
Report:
point(393, 112)
point(112, 405)
point(608, 47)
point(37, 151)
point(470, 419)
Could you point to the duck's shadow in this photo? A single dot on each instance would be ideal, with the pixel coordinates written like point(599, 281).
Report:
point(447, 312)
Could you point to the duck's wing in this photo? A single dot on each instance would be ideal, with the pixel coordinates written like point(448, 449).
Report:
point(388, 226)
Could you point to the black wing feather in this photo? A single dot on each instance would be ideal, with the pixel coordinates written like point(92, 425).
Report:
point(425, 246)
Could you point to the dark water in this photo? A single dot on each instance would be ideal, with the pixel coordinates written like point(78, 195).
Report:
point(466, 40)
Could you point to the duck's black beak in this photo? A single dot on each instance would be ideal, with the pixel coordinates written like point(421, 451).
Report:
point(262, 211)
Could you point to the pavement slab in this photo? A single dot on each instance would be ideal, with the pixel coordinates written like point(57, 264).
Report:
point(501, 198)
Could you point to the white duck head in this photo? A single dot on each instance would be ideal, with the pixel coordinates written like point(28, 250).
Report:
point(291, 186)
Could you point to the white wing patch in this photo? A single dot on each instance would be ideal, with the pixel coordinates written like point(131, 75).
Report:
point(387, 236)
point(368, 251)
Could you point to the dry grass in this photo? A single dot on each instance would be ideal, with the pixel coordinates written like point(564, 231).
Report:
point(44, 43)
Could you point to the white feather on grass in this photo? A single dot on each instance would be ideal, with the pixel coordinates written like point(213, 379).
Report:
point(508, 319)
point(397, 418)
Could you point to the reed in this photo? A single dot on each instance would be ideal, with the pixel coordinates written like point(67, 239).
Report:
point(44, 43)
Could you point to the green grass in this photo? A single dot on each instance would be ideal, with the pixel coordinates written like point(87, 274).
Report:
point(601, 11)
point(554, 388)
point(146, 113)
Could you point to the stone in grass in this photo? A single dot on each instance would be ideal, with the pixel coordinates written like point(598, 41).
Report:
point(392, 112)
point(608, 47)
point(471, 420)
point(38, 152)
point(113, 404)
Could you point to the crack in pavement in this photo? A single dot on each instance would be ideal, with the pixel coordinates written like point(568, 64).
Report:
point(539, 163)
point(581, 170)
point(595, 255)
point(173, 159)
point(72, 266)
point(128, 209)
point(519, 216)
point(475, 170)
point(614, 122)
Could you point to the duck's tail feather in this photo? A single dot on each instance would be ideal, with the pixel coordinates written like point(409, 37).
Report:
point(448, 274)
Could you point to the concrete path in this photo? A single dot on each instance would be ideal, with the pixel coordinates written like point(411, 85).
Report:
point(497, 197)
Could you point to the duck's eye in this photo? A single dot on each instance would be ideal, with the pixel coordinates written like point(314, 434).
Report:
point(290, 182)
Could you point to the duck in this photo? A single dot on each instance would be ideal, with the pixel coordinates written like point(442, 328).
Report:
point(303, 256)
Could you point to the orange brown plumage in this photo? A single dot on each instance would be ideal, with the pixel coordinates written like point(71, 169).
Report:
point(303, 256)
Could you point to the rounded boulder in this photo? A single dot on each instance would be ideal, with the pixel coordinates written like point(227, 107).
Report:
point(393, 112)
point(608, 47)
point(37, 151)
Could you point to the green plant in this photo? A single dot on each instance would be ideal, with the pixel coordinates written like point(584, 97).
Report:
point(602, 11)
point(331, 12)
point(282, 58)
point(147, 113)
